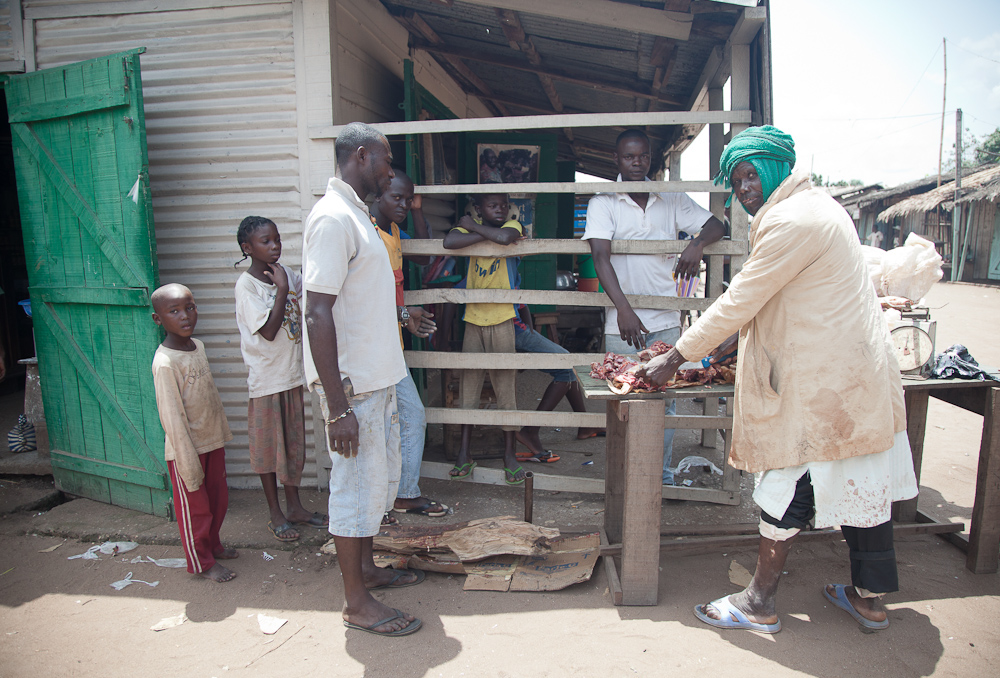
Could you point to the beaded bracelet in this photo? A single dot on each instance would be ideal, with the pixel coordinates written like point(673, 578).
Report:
point(339, 416)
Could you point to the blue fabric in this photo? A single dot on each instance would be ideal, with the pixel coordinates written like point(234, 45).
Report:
point(530, 341)
point(412, 424)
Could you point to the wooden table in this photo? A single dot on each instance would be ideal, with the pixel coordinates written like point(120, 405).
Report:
point(633, 479)
point(982, 397)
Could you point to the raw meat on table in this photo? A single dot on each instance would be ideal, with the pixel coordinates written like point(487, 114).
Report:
point(621, 372)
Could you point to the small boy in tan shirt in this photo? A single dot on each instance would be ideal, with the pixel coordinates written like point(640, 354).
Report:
point(196, 430)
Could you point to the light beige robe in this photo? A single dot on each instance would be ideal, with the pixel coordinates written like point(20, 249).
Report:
point(817, 378)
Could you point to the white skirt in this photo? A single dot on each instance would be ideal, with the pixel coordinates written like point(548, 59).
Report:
point(857, 491)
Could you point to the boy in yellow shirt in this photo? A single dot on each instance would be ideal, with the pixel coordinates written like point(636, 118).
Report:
point(489, 328)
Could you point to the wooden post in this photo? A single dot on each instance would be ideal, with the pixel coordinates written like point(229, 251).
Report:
point(674, 165)
point(740, 96)
point(614, 474)
point(916, 424)
point(984, 534)
point(641, 511)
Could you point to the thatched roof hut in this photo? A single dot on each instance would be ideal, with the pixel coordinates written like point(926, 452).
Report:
point(944, 195)
point(978, 229)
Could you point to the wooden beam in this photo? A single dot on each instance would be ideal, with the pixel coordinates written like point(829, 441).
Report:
point(502, 361)
point(445, 295)
point(618, 15)
point(530, 246)
point(417, 26)
point(627, 89)
point(521, 122)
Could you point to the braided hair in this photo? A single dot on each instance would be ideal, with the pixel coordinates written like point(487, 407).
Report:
point(247, 227)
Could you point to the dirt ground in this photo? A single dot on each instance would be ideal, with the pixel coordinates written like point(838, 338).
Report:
point(61, 617)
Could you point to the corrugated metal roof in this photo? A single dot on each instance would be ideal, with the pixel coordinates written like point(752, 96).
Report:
point(220, 99)
point(588, 51)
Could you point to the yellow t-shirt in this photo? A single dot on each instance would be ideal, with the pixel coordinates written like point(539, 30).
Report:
point(491, 273)
point(392, 245)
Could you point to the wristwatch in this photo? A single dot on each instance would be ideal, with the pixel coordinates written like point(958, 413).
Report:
point(403, 313)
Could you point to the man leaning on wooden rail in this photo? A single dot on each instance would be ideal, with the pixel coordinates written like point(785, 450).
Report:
point(645, 216)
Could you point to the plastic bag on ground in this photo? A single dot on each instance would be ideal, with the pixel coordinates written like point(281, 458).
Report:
point(957, 363)
point(694, 460)
point(911, 270)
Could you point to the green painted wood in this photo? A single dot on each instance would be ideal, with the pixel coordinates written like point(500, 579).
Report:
point(71, 106)
point(131, 474)
point(68, 191)
point(109, 404)
point(92, 258)
point(110, 296)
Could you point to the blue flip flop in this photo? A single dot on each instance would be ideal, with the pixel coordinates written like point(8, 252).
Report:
point(844, 604)
point(728, 612)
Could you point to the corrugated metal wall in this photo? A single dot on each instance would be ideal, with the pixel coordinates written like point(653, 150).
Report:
point(6, 35)
point(220, 99)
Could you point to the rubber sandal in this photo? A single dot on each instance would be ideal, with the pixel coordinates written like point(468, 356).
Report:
point(281, 530)
point(421, 575)
point(508, 475)
point(595, 434)
point(844, 604)
point(462, 476)
point(727, 611)
point(427, 509)
point(547, 458)
point(318, 520)
point(405, 631)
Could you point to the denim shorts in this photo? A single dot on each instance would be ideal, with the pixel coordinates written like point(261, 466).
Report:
point(531, 341)
point(364, 487)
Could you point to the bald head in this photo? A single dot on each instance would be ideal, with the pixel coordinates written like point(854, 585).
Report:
point(165, 294)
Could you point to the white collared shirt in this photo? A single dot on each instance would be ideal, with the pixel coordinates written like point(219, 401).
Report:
point(343, 255)
point(616, 216)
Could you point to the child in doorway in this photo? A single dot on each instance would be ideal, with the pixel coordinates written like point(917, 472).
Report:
point(196, 430)
point(489, 328)
point(270, 322)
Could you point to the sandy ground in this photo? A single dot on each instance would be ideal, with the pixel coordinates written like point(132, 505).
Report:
point(60, 617)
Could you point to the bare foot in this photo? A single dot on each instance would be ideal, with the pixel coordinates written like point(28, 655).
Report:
point(374, 611)
point(226, 554)
point(218, 573)
point(584, 433)
point(379, 576)
point(531, 441)
point(761, 612)
point(871, 609)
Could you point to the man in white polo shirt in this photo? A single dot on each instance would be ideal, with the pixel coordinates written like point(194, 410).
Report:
point(644, 216)
point(350, 309)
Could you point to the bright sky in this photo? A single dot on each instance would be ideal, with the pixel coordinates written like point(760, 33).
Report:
point(858, 84)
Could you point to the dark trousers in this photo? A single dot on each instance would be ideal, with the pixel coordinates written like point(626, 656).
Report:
point(873, 558)
point(200, 512)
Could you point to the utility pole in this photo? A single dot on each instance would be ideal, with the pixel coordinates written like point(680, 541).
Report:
point(944, 99)
point(956, 211)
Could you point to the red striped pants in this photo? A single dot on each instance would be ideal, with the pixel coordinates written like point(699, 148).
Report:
point(200, 512)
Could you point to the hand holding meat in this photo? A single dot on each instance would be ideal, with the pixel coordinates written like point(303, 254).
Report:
point(662, 368)
point(343, 435)
point(420, 323)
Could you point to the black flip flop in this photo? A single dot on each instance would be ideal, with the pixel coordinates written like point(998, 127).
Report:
point(317, 520)
point(425, 509)
point(421, 575)
point(280, 530)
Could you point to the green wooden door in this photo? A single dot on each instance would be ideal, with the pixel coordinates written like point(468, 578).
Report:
point(83, 187)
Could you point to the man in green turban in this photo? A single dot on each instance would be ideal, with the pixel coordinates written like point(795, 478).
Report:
point(819, 401)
